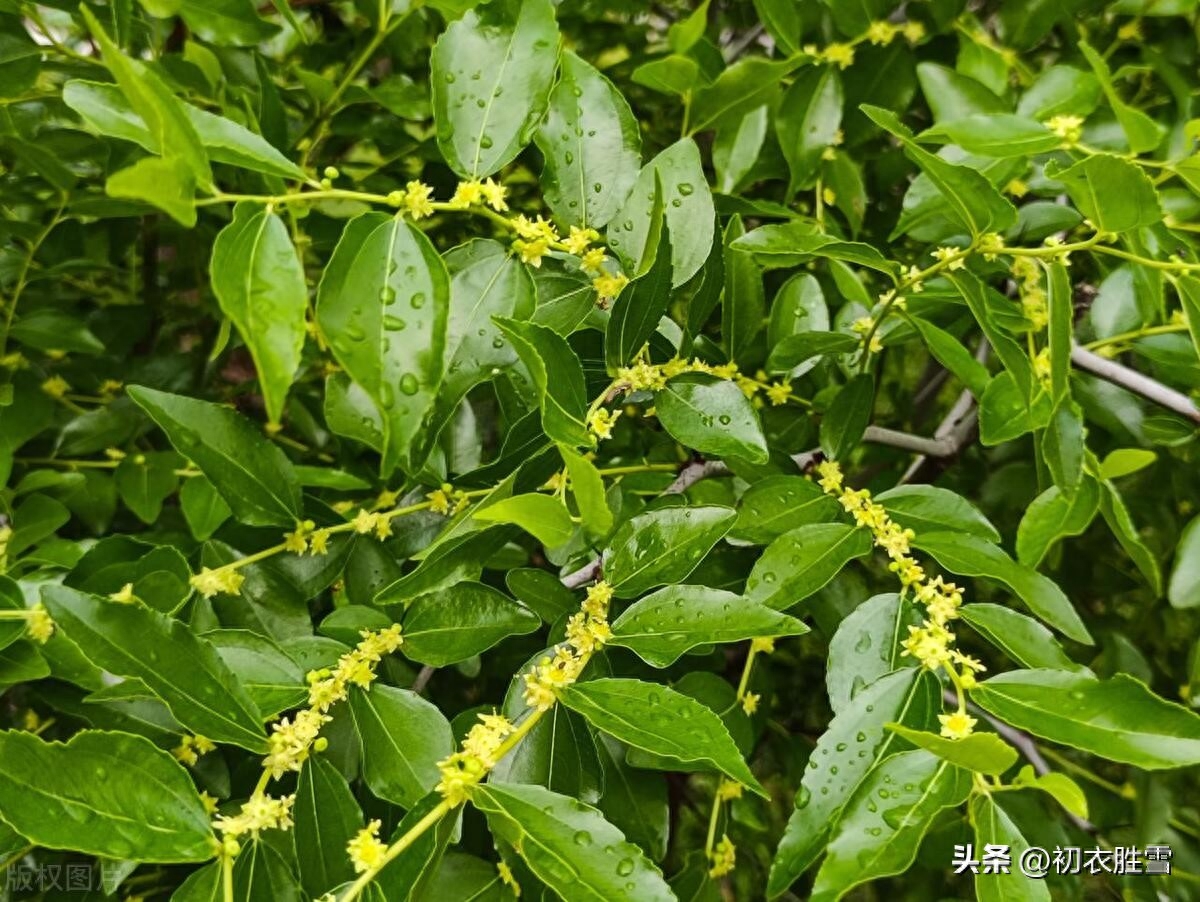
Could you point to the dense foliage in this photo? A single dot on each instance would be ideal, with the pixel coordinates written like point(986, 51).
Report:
point(600, 450)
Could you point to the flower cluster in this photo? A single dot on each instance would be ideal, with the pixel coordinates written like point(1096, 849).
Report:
point(1028, 276)
point(478, 754)
point(447, 500)
point(476, 193)
point(931, 643)
point(56, 387)
point(723, 858)
point(191, 748)
point(292, 739)
point(367, 852)
point(259, 812)
point(587, 631)
point(209, 581)
point(415, 200)
point(1067, 127)
point(880, 33)
point(378, 522)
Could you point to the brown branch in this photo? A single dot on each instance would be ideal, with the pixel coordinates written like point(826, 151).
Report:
point(1132, 380)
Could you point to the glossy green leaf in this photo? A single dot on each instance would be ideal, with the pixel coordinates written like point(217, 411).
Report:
point(587, 486)
point(661, 627)
point(808, 121)
point(794, 243)
point(253, 476)
point(907, 696)
point(137, 801)
point(800, 562)
point(1183, 587)
point(570, 846)
point(930, 508)
point(1118, 719)
point(967, 555)
point(326, 818)
point(1135, 205)
point(144, 481)
point(403, 738)
point(273, 681)
point(1053, 516)
point(1018, 635)
point(662, 546)
point(952, 95)
point(542, 516)
point(587, 179)
point(866, 646)
point(742, 304)
point(1142, 132)
point(557, 376)
point(1116, 515)
point(994, 135)
point(641, 304)
point(634, 800)
point(712, 416)
point(993, 827)
point(467, 619)
point(744, 85)
point(984, 753)
point(383, 305)
point(1060, 90)
point(492, 73)
point(950, 353)
point(795, 350)
point(661, 721)
point(779, 504)
point(687, 206)
point(848, 416)
point(875, 839)
point(259, 280)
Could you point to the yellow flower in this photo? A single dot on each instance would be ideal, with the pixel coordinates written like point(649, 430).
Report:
point(928, 644)
point(535, 229)
point(881, 32)
point(750, 702)
point(949, 256)
point(56, 386)
point(383, 527)
point(467, 193)
point(840, 55)
point(297, 541)
point(723, 858)
point(259, 812)
point(913, 31)
point(531, 251)
point(729, 790)
point(592, 261)
point(642, 376)
point(209, 582)
point(958, 725)
point(577, 242)
point(763, 645)
point(1017, 188)
point(319, 543)
point(494, 194)
point(459, 773)
point(439, 499)
point(417, 199)
point(609, 286)
point(507, 878)
point(779, 392)
point(600, 422)
point(14, 361)
point(1130, 31)
point(1067, 127)
point(209, 802)
point(367, 852)
point(190, 749)
point(1041, 366)
point(485, 738)
point(124, 595)
point(831, 476)
point(991, 244)
point(364, 521)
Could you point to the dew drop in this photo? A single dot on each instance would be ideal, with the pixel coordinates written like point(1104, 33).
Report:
point(409, 384)
point(625, 867)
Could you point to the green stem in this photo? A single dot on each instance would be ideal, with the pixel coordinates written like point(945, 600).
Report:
point(1136, 334)
point(23, 273)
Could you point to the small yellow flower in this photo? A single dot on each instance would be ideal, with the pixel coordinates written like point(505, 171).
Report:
point(723, 858)
point(14, 360)
point(467, 193)
point(383, 527)
point(881, 32)
point(367, 852)
point(124, 595)
point(297, 541)
point(600, 422)
point(1130, 31)
point(750, 702)
point(950, 256)
point(1017, 188)
point(209, 582)
point(729, 790)
point(840, 55)
point(319, 542)
point(364, 521)
point(209, 802)
point(531, 251)
point(507, 878)
point(913, 31)
point(494, 194)
point(592, 261)
point(439, 499)
point(609, 286)
point(779, 392)
point(578, 241)
point(958, 725)
point(1067, 127)
point(39, 625)
point(763, 645)
point(56, 387)
point(417, 199)
point(991, 244)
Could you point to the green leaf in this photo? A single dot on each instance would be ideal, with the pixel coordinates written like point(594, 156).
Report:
point(171, 132)
point(164, 182)
point(557, 378)
point(1060, 331)
point(144, 481)
point(105, 109)
point(542, 516)
point(180, 668)
point(1089, 183)
point(1116, 515)
point(1063, 444)
point(977, 206)
point(641, 304)
point(994, 135)
point(1017, 635)
point(1142, 132)
point(674, 74)
point(952, 95)
point(848, 416)
point(1058, 786)
point(408, 876)
point(661, 627)
point(1060, 90)
point(687, 206)
point(794, 243)
point(224, 21)
point(662, 546)
point(587, 485)
point(403, 739)
point(259, 281)
point(1188, 288)
point(203, 507)
point(253, 475)
point(795, 350)
point(929, 508)
point(808, 122)
point(683, 35)
point(137, 802)
point(587, 179)
point(662, 721)
point(712, 416)
point(968, 555)
point(465, 620)
point(950, 353)
point(1124, 462)
point(261, 874)
point(866, 646)
point(778, 504)
point(744, 85)
point(908, 696)
point(272, 680)
point(569, 846)
point(742, 303)
point(1118, 719)
point(1183, 588)
point(873, 839)
point(634, 800)
point(1005, 414)
point(492, 73)
point(383, 305)
point(993, 827)
point(800, 562)
point(1053, 516)
point(984, 753)
point(326, 818)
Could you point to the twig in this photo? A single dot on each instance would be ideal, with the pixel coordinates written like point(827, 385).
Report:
point(932, 447)
point(422, 680)
point(1132, 380)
